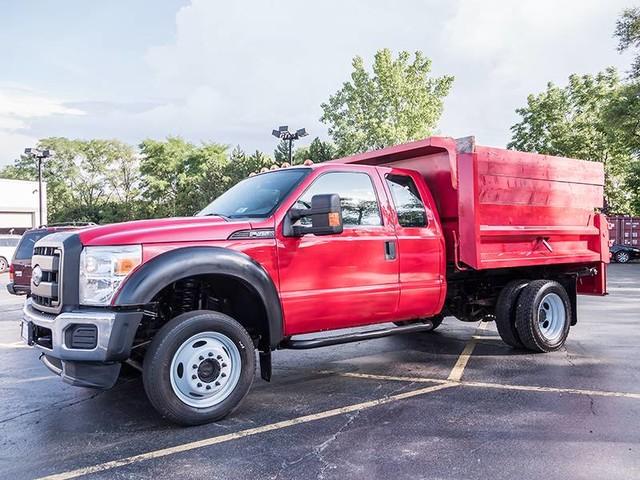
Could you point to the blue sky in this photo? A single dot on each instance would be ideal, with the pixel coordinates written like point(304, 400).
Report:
point(231, 71)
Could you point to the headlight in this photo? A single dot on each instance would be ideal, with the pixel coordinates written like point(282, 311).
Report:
point(102, 269)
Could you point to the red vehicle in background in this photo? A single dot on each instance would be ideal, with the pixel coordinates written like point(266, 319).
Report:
point(20, 267)
point(405, 235)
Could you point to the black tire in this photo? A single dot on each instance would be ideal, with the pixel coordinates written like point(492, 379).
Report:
point(506, 312)
point(4, 265)
point(435, 321)
point(622, 257)
point(159, 356)
point(528, 321)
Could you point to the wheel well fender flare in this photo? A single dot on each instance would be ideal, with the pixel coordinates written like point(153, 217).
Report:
point(152, 276)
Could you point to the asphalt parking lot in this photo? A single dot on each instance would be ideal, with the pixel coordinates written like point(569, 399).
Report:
point(455, 403)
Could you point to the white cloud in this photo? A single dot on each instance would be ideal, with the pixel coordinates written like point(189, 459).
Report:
point(18, 107)
point(232, 71)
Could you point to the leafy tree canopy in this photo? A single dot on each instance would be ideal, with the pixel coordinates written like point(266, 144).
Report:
point(397, 102)
point(628, 35)
point(576, 121)
point(83, 178)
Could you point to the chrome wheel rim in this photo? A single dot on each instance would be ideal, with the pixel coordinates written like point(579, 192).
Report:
point(552, 317)
point(3, 264)
point(205, 369)
point(623, 257)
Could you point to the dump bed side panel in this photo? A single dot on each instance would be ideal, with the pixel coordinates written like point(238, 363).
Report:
point(518, 209)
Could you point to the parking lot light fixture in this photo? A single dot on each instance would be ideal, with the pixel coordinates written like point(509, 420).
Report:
point(283, 133)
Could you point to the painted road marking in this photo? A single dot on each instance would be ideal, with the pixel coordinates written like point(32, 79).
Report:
point(185, 447)
point(454, 380)
point(504, 386)
point(458, 368)
point(5, 380)
point(532, 388)
point(14, 345)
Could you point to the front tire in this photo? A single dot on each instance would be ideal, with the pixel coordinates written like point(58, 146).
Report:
point(199, 367)
point(543, 316)
point(4, 264)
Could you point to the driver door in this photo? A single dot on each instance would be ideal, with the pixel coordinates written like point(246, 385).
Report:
point(342, 280)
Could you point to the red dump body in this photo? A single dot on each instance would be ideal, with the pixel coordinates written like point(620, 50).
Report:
point(503, 208)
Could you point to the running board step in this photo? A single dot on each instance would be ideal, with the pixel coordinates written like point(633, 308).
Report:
point(423, 326)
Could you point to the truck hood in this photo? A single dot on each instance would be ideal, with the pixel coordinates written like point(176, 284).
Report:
point(179, 229)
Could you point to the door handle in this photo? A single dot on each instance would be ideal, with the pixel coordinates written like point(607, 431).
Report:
point(390, 250)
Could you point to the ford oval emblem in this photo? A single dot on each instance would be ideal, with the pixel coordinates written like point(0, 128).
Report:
point(36, 275)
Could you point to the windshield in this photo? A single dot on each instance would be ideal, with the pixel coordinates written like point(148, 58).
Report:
point(256, 196)
point(25, 249)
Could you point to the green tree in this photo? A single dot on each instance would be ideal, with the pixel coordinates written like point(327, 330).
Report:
point(162, 174)
point(628, 33)
point(83, 178)
point(281, 153)
point(179, 178)
point(241, 165)
point(575, 121)
point(320, 151)
point(399, 101)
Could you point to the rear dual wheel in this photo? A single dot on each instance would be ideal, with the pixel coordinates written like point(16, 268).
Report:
point(534, 315)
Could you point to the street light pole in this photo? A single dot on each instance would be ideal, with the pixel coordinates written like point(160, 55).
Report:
point(283, 133)
point(290, 149)
point(40, 190)
point(40, 156)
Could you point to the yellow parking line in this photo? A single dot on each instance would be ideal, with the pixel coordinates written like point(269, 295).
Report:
point(503, 386)
point(458, 368)
point(370, 376)
point(532, 388)
point(244, 433)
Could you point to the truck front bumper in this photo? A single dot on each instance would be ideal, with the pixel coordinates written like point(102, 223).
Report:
point(85, 346)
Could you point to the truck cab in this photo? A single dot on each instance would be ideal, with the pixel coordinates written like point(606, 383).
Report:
point(295, 251)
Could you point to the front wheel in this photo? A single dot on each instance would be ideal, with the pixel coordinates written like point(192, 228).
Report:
point(543, 316)
point(199, 367)
point(3, 264)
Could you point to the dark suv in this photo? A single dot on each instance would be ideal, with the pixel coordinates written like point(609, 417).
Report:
point(20, 269)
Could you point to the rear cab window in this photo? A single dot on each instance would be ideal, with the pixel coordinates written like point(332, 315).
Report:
point(406, 198)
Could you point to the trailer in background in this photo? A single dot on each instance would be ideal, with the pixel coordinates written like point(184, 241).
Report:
point(624, 230)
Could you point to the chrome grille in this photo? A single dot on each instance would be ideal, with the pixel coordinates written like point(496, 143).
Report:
point(47, 294)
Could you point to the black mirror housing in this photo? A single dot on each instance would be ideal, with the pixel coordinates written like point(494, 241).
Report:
point(326, 218)
point(325, 213)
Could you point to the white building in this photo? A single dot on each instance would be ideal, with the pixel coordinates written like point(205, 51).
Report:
point(19, 205)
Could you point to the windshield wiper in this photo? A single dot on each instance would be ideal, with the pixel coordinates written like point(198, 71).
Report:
point(226, 217)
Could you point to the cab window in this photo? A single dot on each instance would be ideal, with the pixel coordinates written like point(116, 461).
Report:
point(409, 205)
point(357, 197)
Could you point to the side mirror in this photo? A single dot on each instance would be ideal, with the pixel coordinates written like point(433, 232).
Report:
point(325, 213)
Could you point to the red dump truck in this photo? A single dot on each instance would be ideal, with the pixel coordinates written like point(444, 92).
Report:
point(401, 237)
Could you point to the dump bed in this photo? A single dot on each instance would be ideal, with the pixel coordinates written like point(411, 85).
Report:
point(502, 208)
